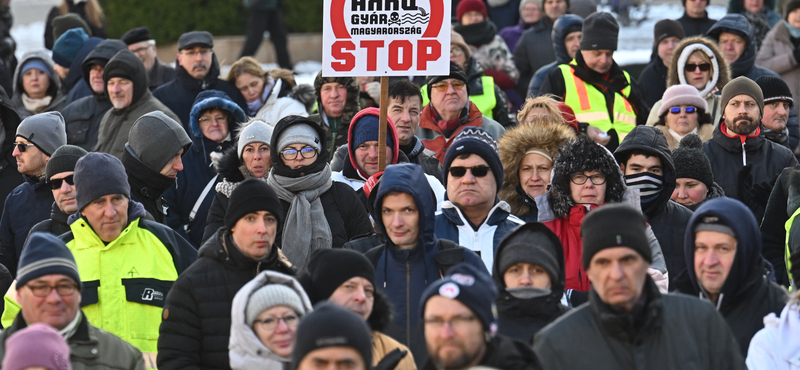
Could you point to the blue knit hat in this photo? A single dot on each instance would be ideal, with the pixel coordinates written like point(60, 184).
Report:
point(45, 254)
point(475, 140)
point(472, 287)
point(68, 45)
point(36, 64)
point(366, 129)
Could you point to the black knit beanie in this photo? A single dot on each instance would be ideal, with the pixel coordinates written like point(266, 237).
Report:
point(327, 269)
point(63, 159)
point(614, 225)
point(531, 243)
point(332, 326)
point(98, 175)
point(250, 196)
point(456, 72)
point(774, 89)
point(742, 86)
point(789, 7)
point(691, 162)
point(472, 287)
point(667, 28)
point(600, 32)
point(475, 140)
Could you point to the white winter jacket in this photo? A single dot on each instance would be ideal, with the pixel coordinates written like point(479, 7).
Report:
point(276, 108)
point(777, 346)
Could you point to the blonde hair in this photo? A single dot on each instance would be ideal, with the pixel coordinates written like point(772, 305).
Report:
point(94, 13)
point(547, 102)
point(242, 66)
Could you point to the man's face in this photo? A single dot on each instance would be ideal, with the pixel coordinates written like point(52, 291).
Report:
point(617, 275)
point(356, 294)
point(531, 13)
point(470, 191)
point(471, 17)
point(554, 9)
point(405, 116)
point(639, 163)
point(120, 92)
point(573, 42)
point(332, 358)
point(196, 61)
point(696, 8)
point(146, 51)
point(449, 100)
point(254, 234)
point(32, 161)
point(732, 46)
point(453, 334)
point(776, 114)
point(599, 61)
point(174, 166)
point(753, 6)
point(333, 96)
point(666, 47)
point(400, 216)
point(742, 114)
point(65, 194)
point(107, 215)
point(96, 79)
point(53, 309)
point(525, 274)
point(714, 253)
point(367, 157)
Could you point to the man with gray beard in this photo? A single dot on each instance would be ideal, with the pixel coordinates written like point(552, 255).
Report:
point(745, 164)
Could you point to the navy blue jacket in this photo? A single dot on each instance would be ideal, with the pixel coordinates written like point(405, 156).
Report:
point(562, 56)
point(179, 94)
point(26, 206)
point(746, 64)
point(197, 170)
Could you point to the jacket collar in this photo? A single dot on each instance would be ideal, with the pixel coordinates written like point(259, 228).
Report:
point(626, 327)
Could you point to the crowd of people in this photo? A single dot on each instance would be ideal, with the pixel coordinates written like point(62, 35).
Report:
point(540, 207)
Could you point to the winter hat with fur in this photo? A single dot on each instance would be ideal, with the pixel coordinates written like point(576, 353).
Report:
point(579, 155)
point(681, 94)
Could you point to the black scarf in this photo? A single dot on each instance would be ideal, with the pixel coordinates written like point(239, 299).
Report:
point(477, 34)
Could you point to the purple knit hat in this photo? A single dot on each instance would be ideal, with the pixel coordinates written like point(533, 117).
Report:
point(38, 345)
point(681, 94)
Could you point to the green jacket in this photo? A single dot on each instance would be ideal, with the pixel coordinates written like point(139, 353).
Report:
point(89, 347)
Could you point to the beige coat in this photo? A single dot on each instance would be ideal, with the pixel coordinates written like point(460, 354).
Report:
point(777, 54)
point(704, 131)
point(381, 346)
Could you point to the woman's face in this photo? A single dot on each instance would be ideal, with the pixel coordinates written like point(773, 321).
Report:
point(794, 18)
point(696, 77)
point(689, 191)
point(534, 174)
point(250, 86)
point(588, 192)
point(682, 122)
point(535, 113)
point(298, 160)
point(280, 338)
point(35, 83)
point(256, 158)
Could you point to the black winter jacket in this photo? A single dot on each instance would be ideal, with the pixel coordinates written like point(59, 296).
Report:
point(26, 206)
point(147, 184)
point(57, 224)
point(560, 28)
point(416, 153)
point(534, 49)
point(654, 76)
point(773, 226)
point(197, 315)
point(670, 331)
point(72, 7)
point(695, 26)
point(10, 178)
point(160, 74)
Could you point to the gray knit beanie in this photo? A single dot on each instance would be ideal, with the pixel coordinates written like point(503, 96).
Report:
point(97, 175)
point(254, 131)
point(742, 86)
point(270, 296)
point(45, 130)
point(63, 160)
point(299, 134)
point(155, 138)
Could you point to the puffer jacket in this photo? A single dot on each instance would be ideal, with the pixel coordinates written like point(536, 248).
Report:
point(246, 349)
point(9, 176)
point(777, 55)
point(560, 28)
point(197, 170)
point(746, 64)
point(667, 218)
point(54, 91)
point(281, 102)
point(75, 86)
point(336, 130)
point(27, 205)
point(197, 315)
point(777, 346)
point(57, 223)
point(83, 116)
point(179, 94)
point(434, 138)
point(534, 50)
point(746, 296)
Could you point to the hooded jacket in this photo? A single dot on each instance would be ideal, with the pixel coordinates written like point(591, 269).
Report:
point(83, 115)
point(534, 50)
point(513, 148)
point(746, 296)
point(117, 123)
point(695, 26)
point(75, 86)
point(418, 264)
point(180, 94)
point(745, 64)
point(667, 218)
point(520, 318)
point(337, 134)
point(246, 349)
point(559, 33)
point(9, 176)
point(281, 101)
point(198, 170)
point(197, 315)
point(54, 91)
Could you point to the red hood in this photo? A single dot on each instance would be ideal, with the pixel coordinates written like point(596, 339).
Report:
point(389, 126)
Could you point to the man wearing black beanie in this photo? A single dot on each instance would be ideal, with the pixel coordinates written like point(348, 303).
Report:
point(627, 320)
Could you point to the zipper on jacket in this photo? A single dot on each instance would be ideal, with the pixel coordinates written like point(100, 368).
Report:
point(408, 303)
point(744, 155)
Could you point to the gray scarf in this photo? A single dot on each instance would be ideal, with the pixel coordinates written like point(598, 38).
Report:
point(305, 214)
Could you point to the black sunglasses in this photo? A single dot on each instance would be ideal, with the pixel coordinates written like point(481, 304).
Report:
point(691, 67)
point(477, 171)
point(56, 183)
point(22, 147)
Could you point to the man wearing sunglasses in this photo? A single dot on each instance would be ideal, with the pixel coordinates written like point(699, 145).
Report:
point(37, 138)
point(59, 175)
point(48, 290)
point(473, 216)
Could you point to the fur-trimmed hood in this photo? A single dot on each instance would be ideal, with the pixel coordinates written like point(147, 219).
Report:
point(721, 75)
point(579, 155)
point(546, 137)
point(351, 105)
point(214, 99)
point(227, 164)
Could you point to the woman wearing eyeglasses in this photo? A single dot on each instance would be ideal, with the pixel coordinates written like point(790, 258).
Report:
point(264, 320)
point(682, 112)
point(698, 62)
point(320, 213)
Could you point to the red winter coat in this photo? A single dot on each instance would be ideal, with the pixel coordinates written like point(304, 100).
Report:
point(568, 230)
